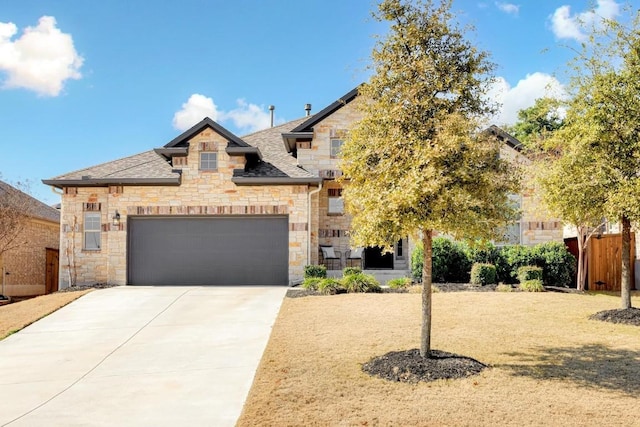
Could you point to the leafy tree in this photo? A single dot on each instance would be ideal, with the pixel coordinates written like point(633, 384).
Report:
point(536, 123)
point(417, 162)
point(601, 138)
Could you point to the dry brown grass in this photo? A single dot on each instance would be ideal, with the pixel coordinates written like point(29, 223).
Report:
point(550, 364)
point(16, 316)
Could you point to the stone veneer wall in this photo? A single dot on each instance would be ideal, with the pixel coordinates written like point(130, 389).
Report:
point(207, 193)
point(27, 264)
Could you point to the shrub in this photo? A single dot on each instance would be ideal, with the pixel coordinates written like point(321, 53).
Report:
point(450, 262)
point(504, 288)
point(399, 283)
point(330, 286)
point(529, 272)
point(311, 283)
point(348, 271)
point(532, 286)
point(483, 274)
point(315, 271)
point(559, 266)
point(488, 253)
point(361, 282)
point(517, 256)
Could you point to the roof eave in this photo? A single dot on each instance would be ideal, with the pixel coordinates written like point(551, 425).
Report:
point(241, 151)
point(103, 182)
point(276, 181)
point(172, 151)
point(290, 138)
point(327, 111)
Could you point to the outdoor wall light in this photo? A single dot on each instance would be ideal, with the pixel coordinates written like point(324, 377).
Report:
point(116, 219)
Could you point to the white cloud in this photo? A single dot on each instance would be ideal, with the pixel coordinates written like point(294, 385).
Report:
point(246, 117)
point(508, 7)
point(522, 95)
point(195, 109)
point(41, 60)
point(567, 26)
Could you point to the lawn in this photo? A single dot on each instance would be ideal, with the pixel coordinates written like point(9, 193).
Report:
point(550, 365)
point(16, 316)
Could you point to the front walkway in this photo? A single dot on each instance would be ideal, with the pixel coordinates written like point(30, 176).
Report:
point(139, 356)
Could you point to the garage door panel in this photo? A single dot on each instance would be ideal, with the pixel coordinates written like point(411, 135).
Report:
point(208, 251)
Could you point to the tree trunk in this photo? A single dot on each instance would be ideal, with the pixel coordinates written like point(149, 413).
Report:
point(581, 277)
point(425, 339)
point(625, 290)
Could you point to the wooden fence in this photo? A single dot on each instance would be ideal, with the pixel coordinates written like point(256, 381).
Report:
point(604, 265)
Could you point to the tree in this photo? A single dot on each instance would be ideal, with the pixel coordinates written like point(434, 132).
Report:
point(601, 132)
point(417, 161)
point(538, 122)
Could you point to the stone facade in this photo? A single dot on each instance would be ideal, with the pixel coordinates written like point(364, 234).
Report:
point(200, 193)
point(26, 264)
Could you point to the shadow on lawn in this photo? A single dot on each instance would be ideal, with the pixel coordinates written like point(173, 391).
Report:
point(594, 366)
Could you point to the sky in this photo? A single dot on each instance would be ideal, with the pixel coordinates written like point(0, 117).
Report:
point(86, 82)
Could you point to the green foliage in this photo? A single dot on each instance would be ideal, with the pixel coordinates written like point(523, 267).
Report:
point(348, 271)
point(361, 282)
point(483, 274)
point(517, 256)
point(529, 272)
point(311, 283)
point(504, 288)
point(558, 265)
point(450, 261)
point(330, 286)
point(315, 271)
point(488, 253)
point(534, 285)
point(538, 122)
point(399, 283)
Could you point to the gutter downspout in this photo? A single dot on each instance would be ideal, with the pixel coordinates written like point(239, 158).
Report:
point(311, 193)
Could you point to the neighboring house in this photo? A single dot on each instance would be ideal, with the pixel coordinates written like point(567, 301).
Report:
point(31, 265)
point(210, 207)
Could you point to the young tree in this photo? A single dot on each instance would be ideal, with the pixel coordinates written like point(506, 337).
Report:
point(417, 161)
point(538, 122)
point(14, 213)
point(601, 132)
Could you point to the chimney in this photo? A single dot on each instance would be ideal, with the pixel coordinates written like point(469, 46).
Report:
point(307, 108)
point(271, 108)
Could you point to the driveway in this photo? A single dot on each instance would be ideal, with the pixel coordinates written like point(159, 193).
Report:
point(139, 356)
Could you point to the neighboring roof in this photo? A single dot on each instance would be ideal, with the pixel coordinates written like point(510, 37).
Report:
point(34, 207)
point(147, 168)
point(505, 137)
point(307, 125)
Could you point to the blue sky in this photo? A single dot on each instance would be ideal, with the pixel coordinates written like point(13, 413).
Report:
point(84, 82)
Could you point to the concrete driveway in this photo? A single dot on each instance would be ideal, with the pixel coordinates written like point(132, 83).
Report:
point(139, 356)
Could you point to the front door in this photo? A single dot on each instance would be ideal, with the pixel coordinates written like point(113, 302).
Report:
point(375, 259)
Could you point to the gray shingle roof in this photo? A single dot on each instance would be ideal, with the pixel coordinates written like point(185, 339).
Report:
point(269, 142)
point(144, 166)
point(33, 207)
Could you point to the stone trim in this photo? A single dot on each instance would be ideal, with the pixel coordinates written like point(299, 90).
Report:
point(298, 226)
point(542, 225)
point(332, 233)
point(209, 210)
point(116, 189)
point(92, 207)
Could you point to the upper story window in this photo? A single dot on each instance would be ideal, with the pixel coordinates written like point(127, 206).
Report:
point(336, 146)
point(336, 203)
point(208, 161)
point(92, 231)
point(513, 232)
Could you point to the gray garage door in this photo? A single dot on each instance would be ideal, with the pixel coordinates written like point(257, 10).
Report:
point(246, 250)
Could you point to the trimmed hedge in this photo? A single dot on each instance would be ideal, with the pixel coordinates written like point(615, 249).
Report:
point(529, 272)
point(450, 262)
point(483, 274)
point(315, 271)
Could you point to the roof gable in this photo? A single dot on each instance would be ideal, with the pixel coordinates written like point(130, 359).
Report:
point(505, 137)
point(307, 126)
point(33, 207)
point(181, 139)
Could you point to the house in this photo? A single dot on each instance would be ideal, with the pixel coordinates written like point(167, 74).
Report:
point(29, 239)
point(210, 207)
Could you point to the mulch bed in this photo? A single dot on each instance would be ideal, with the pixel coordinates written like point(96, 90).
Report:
point(85, 287)
point(628, 316)
point(408, 366)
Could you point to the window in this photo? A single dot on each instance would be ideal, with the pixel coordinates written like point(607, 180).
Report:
point(336, 145)
point(92, 230)
point(336, 204)
point(512, 232)
point(208, 161)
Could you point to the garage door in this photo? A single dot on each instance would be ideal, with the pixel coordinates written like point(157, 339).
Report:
point(208, 251)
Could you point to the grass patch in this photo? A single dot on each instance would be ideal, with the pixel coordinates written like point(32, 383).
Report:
point(548, 362)
point(16, 316)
